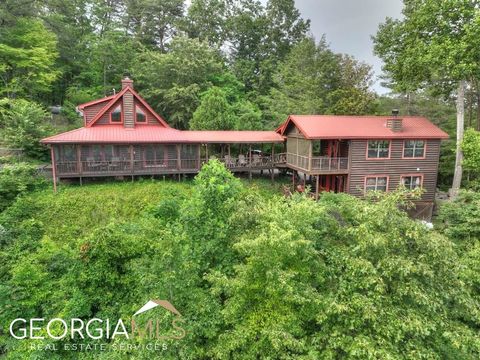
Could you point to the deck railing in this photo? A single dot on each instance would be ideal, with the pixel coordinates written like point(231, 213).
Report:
point(113, 167)
point(322, 163)
point(329, 163)
point(125, 166)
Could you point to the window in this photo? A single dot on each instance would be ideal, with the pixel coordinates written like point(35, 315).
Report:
point(411, 181)
point(378, 149)
point(376, 183)
point(414, 148)
point(140, 115)
point(116, 114)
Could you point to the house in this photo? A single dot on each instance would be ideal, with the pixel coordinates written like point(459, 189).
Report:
point(123, 136)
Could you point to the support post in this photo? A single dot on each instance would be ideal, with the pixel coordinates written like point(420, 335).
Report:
point(132, 156)
point(79, 162)
point(250, 162)
point(199, 157)
point(273, 161)
point(179, 160)
point(54, 169)
point(317, 185)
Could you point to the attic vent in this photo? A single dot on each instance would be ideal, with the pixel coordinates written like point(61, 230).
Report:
point(395, 123)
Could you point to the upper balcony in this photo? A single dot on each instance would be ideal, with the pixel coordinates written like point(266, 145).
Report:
point(318, 164)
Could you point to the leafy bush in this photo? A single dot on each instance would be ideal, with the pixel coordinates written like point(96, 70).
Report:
point(24, 125)
point(16, 180)
point(460, 219)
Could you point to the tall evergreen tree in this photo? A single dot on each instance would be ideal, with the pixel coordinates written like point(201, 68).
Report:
point(214, 112)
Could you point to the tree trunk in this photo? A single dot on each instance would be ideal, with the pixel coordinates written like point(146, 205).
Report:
point(457, 176)
point(478, 109)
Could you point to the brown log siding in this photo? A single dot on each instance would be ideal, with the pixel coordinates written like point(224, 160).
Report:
point(91, 111)
point(394, 167)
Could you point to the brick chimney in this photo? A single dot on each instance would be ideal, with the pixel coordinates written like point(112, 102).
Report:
point(395, 123)
point(126, 81)
point(128, 115)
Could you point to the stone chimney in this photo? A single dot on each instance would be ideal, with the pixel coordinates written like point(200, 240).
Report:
point(395, 123)
point(128, 115)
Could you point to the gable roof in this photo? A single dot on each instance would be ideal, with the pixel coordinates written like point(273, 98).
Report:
point(115, 98)
point(361, 127)
point(94, 102)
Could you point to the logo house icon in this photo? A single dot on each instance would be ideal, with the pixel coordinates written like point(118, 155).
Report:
point(151, 304)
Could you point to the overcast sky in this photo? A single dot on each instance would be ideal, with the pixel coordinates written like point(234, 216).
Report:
point(348, 25)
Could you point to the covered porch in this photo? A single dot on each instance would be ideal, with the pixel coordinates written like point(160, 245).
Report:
point(94, 160)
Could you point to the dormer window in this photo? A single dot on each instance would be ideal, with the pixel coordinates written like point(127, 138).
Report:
point(140, 116)
point(116, 115)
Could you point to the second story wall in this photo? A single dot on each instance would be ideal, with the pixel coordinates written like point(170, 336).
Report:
point(394, 167)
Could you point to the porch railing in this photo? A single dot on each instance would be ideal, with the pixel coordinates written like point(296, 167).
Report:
point(125, 166)
point(329, 163)
point(322, 163)
point(91, 167)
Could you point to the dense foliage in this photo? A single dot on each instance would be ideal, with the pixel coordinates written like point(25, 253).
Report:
point(250, 272)
point(176, 51)
point(23, 124)
point(17, 179)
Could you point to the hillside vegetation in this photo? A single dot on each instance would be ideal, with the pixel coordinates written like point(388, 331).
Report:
point(253, 273)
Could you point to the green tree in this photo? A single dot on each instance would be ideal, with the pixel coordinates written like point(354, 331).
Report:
point(207, 21)
point(260, 37)
point(23, 126)
point(181, 75)
point(352, 280)
point(17, 179)
point(153, 22)
point(315, 80)
point(214, 112)
point(430, 46)
point(27, 58)
point(471, 150)
point(248, 116)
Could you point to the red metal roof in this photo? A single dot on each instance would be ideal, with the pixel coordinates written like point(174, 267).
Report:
point(361, 127)
point(224, 136)
point(99, 134)
point(93, 102)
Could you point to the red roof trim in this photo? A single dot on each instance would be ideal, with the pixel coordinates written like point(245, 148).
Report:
point(107, 107)
point(93, 102)
point(144, 103)
point(285, 125)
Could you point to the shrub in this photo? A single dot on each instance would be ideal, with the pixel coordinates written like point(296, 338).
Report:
point(16, 180)
point(24, 125)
